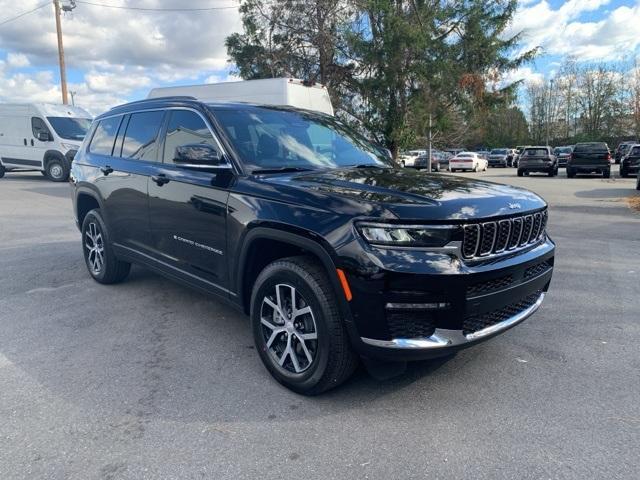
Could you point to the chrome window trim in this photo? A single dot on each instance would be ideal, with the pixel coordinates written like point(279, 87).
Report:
point(234, 167)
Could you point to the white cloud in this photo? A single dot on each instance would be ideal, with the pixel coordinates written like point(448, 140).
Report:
point(123, 52)
point(17, 60)
point(561, 32)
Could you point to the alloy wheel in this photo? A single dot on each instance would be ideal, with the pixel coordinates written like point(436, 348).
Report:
point(94, 243)
point(289, 328)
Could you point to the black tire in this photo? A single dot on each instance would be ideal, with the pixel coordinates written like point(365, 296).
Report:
point(57, 170)
point(638, 182)
point(110, 270)
point(520, 173)
point(606, 174)
point(332, 358)
point(624, 173)
point(2, 171)
point(550, 173)
point(570, 173)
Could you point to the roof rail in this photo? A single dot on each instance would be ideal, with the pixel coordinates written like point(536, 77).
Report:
point(156, 99)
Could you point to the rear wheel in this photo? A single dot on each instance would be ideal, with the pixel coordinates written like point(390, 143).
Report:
point(606, 173)
point(2, 171)
point(297, 328)
point(638, 182)
point(624, 173)
point(520, 173)
point(570, 173)
point(99, 257)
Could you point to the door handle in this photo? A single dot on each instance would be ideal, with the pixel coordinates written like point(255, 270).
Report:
point(106, 170)
point(160, 179)
point(24, 140)
point(32, 144)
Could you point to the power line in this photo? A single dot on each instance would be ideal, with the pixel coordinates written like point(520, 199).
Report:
point(24, 13)
point(150, 9)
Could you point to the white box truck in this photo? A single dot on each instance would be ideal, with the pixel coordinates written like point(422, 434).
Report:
point(41, 136)
point(269, 91)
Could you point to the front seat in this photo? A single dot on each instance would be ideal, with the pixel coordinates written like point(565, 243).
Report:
point(268, 148)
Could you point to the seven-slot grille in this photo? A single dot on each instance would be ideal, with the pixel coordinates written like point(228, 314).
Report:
point(488, 238)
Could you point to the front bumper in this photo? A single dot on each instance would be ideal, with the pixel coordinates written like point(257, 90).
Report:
point(457, 309)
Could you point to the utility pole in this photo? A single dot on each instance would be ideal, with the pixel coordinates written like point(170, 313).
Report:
point(429, 156)
point(63, 71)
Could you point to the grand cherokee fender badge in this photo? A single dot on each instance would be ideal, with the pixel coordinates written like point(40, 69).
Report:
point(193, 243)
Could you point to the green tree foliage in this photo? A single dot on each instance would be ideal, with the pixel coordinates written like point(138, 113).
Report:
point(391, 64)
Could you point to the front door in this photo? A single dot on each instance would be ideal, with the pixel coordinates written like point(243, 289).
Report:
point(188, 208)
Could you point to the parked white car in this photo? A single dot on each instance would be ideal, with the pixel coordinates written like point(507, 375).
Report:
point(41, 136)
point(468, 161)
point(408, 159)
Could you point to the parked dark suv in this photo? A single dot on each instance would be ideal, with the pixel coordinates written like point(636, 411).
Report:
point(589, 157)
point(537, 159)
point(630, 163)
point(301, 223)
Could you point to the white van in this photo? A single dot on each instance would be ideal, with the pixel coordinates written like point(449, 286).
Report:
point(268, 91)
point(41, 136)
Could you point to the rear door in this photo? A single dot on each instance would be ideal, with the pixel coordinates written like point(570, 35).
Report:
point(188, 208)
point(123, 174)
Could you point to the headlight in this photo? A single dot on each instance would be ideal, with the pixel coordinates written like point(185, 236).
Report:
point(406, 235)
point(69, 146)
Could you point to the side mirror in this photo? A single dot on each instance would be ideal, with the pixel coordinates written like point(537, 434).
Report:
point(199, 156)
point(44, 136)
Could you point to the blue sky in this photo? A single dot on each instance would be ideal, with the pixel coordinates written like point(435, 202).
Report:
point(115, 55)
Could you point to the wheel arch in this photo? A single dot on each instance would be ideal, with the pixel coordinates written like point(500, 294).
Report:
point(86, 199)
point(51, 155)
point(263, 245)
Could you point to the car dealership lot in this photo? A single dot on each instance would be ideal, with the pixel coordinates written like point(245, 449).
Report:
point(148, 379)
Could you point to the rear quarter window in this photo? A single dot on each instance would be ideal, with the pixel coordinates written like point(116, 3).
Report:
point(635, 152)
point(141, 139)
point(105, 135)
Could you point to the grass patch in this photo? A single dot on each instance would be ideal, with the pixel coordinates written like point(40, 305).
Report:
point(634, 203)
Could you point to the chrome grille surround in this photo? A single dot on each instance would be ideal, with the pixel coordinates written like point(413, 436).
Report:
point(510, 234)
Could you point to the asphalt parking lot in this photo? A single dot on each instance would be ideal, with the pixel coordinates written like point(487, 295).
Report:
point(148, 379)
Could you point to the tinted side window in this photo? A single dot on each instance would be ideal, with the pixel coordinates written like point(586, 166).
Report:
point(635, 152)
point(38, 125)
point(140, 140)
point(102, 141)
point(184, 128)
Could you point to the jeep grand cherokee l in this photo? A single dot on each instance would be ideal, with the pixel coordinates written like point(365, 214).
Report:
point(308, 228)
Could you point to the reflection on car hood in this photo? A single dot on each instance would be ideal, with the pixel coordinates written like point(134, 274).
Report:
point(406, 194)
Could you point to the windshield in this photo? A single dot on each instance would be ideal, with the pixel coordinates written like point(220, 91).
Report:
point(70, 128)
point(499, 151)
point(273, 138)
point(563, 150)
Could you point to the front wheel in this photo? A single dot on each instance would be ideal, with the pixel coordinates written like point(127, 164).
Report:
point(297, 328)
point(623, 173)
point(520, 173)
point(99, 257)
point(2, 171)
point(56, 170)
point(606, 174)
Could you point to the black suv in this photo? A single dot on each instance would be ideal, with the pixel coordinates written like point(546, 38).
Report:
point(537, 159)
point(300, 222)
point(630, 163)
point(589, 157)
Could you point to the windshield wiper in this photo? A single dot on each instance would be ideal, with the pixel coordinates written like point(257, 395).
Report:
point(368, 165)
point(280, 170)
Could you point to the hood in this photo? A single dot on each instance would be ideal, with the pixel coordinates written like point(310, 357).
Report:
point(406, 194)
